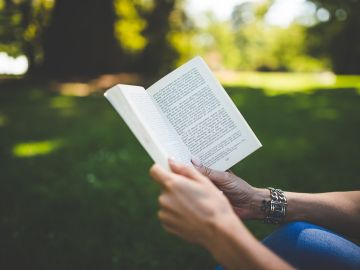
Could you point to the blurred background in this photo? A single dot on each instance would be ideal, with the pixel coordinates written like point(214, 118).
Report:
point(74, 187)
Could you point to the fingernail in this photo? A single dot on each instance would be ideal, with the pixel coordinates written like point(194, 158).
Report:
point(172, 159)
point(196, 162)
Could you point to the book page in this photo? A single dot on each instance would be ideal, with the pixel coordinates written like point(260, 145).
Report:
point(204, 116)
point(149, 126)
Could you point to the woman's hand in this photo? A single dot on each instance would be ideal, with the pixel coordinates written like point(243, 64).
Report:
point(244, 198)
point(194, 209)
point(190, 205)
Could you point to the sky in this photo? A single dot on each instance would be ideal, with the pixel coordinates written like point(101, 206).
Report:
point(282, 13)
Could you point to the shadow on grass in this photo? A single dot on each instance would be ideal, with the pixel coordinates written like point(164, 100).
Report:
point(89, 203)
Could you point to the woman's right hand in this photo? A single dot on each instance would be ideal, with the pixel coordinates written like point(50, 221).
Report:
point(245, 199)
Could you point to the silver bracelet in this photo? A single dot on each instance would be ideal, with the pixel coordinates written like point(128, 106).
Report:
point(275, 208)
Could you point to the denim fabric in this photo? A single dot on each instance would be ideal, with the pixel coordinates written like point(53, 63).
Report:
point(308, 246)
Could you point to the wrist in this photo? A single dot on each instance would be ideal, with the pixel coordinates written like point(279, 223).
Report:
point(222, 229)
point(232, 244)
point(259, 195)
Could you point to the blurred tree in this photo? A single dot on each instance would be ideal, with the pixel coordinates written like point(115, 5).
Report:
point(337, 34)
point(153, 32)
point(248, 42)
point(10, 27)
point(218, 44)
point(268, 47)
point(80, 40)
point(77, 38)
point(158, 50)
point(22, 24)
point(128, 29)
point(181, 37)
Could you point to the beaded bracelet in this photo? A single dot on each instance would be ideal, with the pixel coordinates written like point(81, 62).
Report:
point(275, 208)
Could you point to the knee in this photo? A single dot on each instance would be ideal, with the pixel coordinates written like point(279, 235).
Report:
point(289, 232)
point(296, 226)
point(299, 234)
point(300, 243)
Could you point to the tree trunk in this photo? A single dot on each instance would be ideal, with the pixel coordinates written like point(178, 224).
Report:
point(80, 40)
point(158, 55)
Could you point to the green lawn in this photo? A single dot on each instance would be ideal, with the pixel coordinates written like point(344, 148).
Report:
point(74, 187)
point(275, 83)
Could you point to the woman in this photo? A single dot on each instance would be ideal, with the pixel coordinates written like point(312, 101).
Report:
point(192, 208)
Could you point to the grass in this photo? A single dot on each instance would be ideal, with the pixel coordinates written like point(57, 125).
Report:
point(274, 83)
point(74, 187)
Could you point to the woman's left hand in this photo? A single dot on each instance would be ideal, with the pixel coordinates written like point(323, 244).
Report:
point(190, 204)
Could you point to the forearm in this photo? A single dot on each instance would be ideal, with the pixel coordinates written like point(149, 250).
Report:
point(234, 247)
point(339, 211)
point(336, 210)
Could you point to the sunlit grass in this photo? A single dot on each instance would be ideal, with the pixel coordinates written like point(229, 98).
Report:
point(36, 148)
point(62, 102)
point(278, 83)
point(3, 120)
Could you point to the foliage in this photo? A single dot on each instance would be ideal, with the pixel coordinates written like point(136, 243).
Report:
point(337, 36)
point(70, 39)
point(64, 39)
point(181, 36)
point(22, 27)
point(217, 44)
point(324, 38)
point(129, 27)
point(265, 47)
point(83, 198)
point(248, 42)
point(167, 30)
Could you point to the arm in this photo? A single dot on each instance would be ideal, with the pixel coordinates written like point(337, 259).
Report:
point(193, 208)
point(339, 211)
point(234, 247)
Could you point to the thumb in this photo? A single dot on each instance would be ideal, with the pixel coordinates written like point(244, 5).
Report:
point(218, 177)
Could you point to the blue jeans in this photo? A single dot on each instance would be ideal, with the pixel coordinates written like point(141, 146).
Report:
point(308, 246)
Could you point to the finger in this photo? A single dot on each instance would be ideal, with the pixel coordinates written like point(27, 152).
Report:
point(160, 175)
point(176, 230)
point(218, 177)
point(184, 170)
point(230, 171)
point(164, 216)
point(166, 203)
point(169, 224)
point(170, 228)
point(168, 218)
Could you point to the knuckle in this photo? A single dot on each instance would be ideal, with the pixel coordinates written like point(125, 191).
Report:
point(167, 227)
point(231, 172)
point(169, 184)
point(207, 171)
point(181, 171)
point(180, 166)
point(152, 170)
point(162, 200)
point(185, 169)
point(200, 168)
point(172, 184)
point(161, 215)
point(228, 176)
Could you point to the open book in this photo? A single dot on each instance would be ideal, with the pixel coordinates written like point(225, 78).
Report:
point(186, 114)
